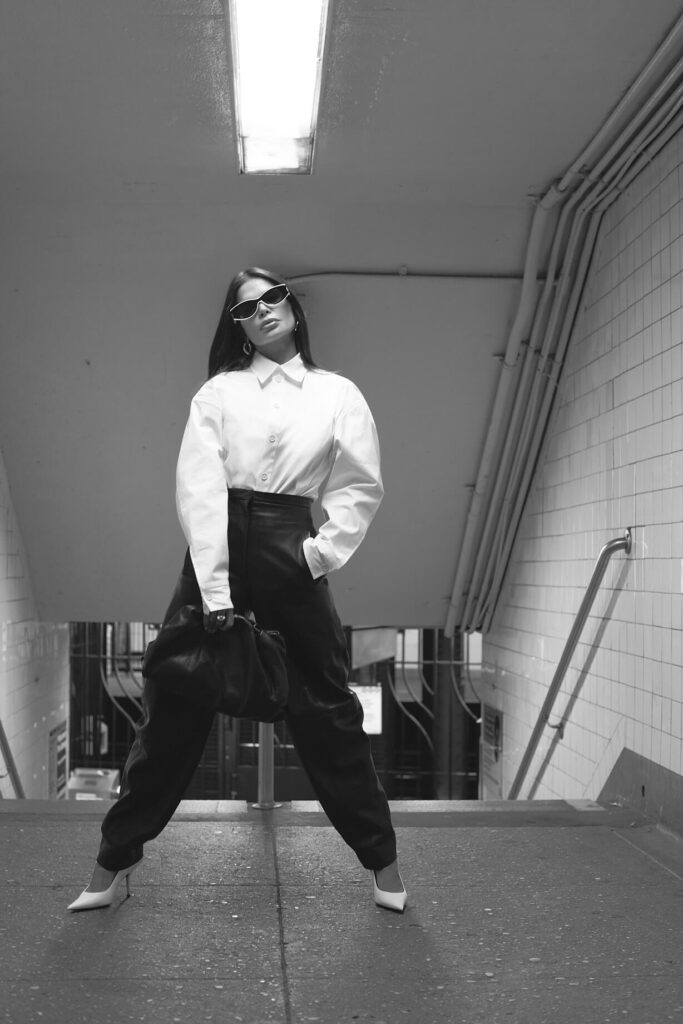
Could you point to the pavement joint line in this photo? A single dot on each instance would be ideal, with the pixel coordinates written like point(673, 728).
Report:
point(649, 856)
point(268, 822)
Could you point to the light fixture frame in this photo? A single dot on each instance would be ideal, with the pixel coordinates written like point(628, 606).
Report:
point(323, 43)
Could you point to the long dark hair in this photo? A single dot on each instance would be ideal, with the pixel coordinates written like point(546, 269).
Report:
point(227, 352)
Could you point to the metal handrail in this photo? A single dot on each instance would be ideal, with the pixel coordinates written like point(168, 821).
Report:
point(10, 764)
point(619, 544)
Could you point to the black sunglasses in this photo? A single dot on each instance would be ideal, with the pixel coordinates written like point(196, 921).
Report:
point(272, 297)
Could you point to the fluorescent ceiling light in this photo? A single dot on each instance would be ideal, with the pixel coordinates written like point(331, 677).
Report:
point(277, 49)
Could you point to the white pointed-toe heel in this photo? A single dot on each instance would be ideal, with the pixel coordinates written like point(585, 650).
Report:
point(389, 900)
point(105, 898)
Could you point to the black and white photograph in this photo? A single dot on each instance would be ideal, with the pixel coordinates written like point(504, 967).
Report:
point(341, 511)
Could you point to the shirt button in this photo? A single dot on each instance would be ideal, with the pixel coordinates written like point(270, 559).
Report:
point(264, 476)
point(278, 380)
point(272, 438)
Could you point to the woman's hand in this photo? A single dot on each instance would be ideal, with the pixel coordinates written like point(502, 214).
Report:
point(223, 619)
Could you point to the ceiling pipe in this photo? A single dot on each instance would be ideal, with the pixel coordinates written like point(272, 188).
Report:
point(486, 549)
point(486, 608)
point(576, 181)
point(592, 209)
point(669, 49)
point(436, 275)
point(492, 443)
point(583, 180)
point(582, 241)
point(541, 433)
point(486, 545)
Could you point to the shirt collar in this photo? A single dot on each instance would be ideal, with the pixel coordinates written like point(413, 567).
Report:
point(265, 369)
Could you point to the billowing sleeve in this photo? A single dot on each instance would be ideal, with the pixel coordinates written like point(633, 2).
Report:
point(202, 500)
point(353, 490)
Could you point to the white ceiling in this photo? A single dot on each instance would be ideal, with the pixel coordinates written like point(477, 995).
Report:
point(432, 109)
point(124, 216)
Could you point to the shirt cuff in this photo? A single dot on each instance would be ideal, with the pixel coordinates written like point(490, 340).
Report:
point(216, 602)
point(314, 560)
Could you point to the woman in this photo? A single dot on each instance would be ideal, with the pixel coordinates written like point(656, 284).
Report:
point(274, 431)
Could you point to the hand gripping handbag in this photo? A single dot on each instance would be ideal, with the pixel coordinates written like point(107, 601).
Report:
point(240, 671)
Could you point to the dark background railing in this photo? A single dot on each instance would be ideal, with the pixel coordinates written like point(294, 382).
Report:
point(428, 747)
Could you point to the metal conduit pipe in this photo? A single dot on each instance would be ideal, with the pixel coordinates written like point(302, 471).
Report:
point(582, 178)
point(553, 283)
point(411, 691)
point(540, 433)
point(547, 333)
point(669, 47)
point(488, 603)
point(519, 327)
point(122, 686)
point(645, 158)
point(604, 176)
point(432, 275)
point(487, 546)
point(622, 153)
point(525, 404)
point(525, 461)
point(633, 167)
point(513, 450)
point(635, 161)
point(486, 542)
point(531, 276)
point(493, 516)
point(579, 278)
point(530, 405)
point(461, 700)
point(407, 714)
point(555, 314)
point(665, 136)
point(511, 442)
point(488, 609)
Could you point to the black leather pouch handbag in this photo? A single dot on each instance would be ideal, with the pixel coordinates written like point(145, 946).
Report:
point(240, 671)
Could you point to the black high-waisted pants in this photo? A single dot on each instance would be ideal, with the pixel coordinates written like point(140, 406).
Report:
point(269, 576)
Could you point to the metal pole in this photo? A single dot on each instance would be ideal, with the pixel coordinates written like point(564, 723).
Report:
point(266, 767)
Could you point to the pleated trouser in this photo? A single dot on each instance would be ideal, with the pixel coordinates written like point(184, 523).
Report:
point(269, 576)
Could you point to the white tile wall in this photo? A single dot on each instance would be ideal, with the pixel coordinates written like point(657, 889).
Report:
point(614, 460)
point(34, 664)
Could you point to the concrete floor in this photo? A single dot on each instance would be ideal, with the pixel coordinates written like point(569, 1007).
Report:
point(518, 914)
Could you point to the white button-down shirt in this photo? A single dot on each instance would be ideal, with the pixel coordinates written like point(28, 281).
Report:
point(284, 429)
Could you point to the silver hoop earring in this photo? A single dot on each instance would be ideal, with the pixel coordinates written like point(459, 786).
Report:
point(247, 348)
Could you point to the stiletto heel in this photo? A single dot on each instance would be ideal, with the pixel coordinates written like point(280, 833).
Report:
point(389, 900)
point(94, 900)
